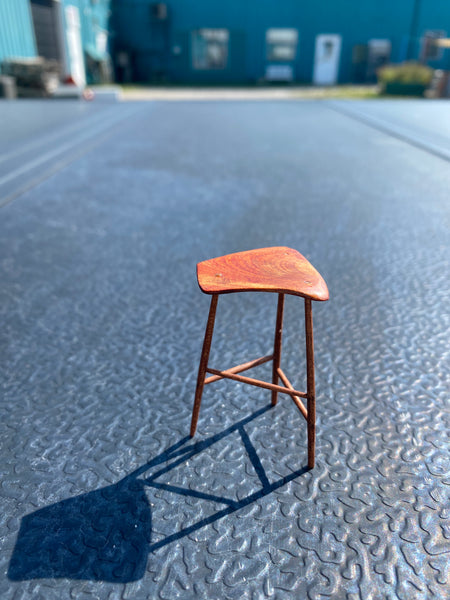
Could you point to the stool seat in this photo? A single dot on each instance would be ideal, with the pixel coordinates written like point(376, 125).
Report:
point(278, 269)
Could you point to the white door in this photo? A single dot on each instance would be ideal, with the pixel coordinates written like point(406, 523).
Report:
point(326, 59)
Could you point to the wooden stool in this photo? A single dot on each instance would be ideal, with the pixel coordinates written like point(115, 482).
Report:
point(281, 270)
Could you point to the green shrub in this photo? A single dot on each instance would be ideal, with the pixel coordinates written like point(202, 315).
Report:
point(407, 72)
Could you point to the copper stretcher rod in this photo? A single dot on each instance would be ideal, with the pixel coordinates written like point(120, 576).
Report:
point(240, 368)
point(257, 382)
point(298, 403)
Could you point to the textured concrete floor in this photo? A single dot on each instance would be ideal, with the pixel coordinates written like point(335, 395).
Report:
point(102, 494)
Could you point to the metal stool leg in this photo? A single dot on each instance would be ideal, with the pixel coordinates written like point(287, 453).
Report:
point(277, 346)
point(203, 363)
point(311, 387)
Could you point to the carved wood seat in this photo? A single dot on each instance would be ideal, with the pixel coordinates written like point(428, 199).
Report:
point(280, 270)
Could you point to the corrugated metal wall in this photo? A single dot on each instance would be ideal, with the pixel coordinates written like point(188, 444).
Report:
point(16, 29)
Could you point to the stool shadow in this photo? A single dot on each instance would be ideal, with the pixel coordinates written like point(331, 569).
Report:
point(105, 535)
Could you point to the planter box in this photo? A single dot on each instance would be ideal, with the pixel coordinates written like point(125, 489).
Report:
point(404, 89)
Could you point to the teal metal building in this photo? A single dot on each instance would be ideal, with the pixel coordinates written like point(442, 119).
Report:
point(74, 32)
point(16, 29)
point(237, 41)
point(249, 41)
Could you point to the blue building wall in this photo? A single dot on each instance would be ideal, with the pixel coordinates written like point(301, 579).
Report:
point(357, 21)
point(163, 49)
point(16, 29)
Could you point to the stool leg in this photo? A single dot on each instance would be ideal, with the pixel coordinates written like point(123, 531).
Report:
point(277, 345)
point(310, 384)
point(203, 363)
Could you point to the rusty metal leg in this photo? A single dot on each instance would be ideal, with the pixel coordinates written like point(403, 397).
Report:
point(277, 346)
point(203, 363)
point(311, 387)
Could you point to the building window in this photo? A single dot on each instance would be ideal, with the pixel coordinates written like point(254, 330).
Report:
point(210, 48)
point(158, 11)
point(430, 49)
point(281, 44)
point(379, 54)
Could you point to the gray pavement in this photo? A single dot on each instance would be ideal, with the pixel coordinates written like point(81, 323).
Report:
point(104, 218)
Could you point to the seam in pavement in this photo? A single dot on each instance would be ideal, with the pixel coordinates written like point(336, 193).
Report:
point(49, 137)
point(390, 130)
point(107, 129)
point(52, 170)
